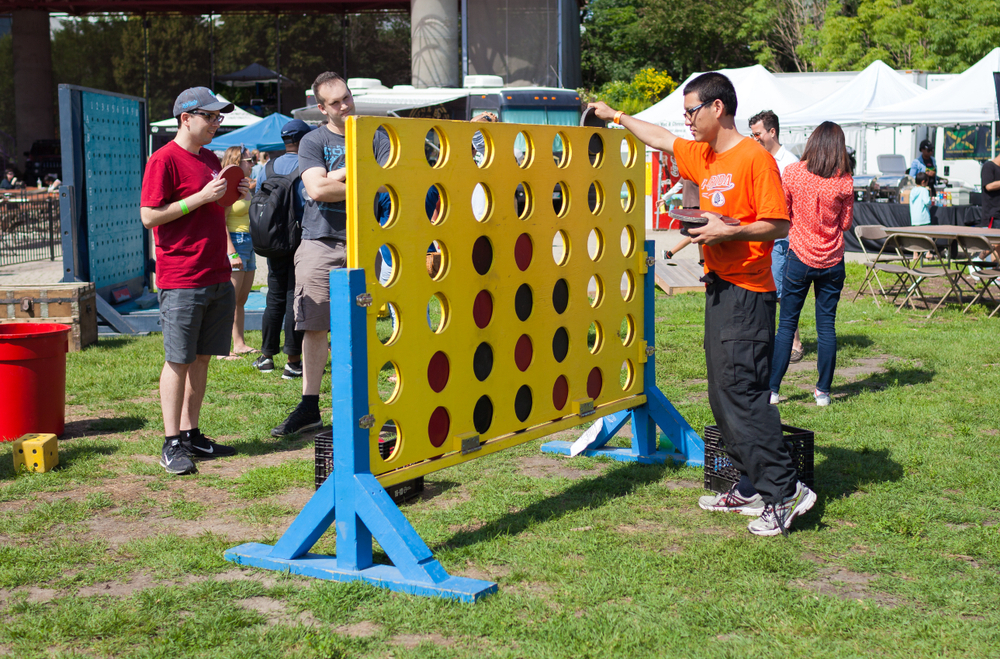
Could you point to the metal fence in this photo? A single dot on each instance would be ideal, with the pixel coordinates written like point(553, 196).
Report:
point(29, 227)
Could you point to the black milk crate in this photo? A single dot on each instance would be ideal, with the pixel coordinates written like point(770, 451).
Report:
point(399, 492)
point(720, 474)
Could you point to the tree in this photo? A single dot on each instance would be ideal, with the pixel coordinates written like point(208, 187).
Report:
point(621, 37)
point(934, 35)
point(83, 52)
point(646, 88)
point(778, 30)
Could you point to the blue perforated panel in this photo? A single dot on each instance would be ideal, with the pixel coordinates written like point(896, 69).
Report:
point(112, 130)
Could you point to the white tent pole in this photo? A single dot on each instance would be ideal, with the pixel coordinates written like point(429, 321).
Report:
point(864, 149)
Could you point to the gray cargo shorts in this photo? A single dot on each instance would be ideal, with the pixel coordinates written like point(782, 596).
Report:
point(197, 321)
point(314, 259)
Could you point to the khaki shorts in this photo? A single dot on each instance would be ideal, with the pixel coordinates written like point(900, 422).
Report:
point(314, 259)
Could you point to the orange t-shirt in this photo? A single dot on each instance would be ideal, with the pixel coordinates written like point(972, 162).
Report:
point(744, 184)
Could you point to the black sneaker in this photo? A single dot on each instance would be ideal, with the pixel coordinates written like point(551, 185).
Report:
point(292, 370)
point(298, 421)
point(176, 459)
point(264, 363)
point(205, 448)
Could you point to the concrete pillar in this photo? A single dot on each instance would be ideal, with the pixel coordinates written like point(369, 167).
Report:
point(435, 43)
point(33, 103)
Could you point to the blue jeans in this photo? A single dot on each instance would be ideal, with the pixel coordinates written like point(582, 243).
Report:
point(779, 263)
point(828, 282)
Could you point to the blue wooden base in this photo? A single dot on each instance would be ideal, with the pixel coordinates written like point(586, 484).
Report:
point(384, 576)
point(615, 453)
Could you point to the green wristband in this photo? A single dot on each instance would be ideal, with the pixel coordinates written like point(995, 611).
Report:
point(184, 207)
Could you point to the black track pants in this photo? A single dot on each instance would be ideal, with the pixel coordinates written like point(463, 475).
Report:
point(739, 333)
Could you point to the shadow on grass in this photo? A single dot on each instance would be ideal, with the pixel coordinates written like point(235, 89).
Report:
point(878, 381)
point(810, 346)
point(844, 473)
point(589, 493)
point(88, 427)
point(112, 342)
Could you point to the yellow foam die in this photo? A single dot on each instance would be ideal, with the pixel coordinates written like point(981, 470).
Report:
point(37, 452)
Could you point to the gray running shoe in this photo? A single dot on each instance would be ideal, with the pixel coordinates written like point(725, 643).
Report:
point(292, 370)
point(264, 364)
point(778, 519)
point(176, 459)
point(732, 502)
point(822, 400)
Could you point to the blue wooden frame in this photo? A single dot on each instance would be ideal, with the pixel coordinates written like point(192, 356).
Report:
point(357, 503)
point(689, 448)
point(365, 509)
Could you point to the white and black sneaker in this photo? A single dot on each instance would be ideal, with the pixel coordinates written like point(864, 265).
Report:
point(300, 420)
point(205, 448)
point(264, 364)
point(176, 459)
point(292, 370)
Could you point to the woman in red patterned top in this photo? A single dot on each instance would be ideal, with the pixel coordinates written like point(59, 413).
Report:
point(819, 192)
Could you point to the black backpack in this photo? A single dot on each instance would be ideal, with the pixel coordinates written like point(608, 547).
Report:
point(275, 228)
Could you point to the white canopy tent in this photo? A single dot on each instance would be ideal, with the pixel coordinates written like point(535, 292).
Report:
point(756, 90)
point(969, 98)
point(877, 86)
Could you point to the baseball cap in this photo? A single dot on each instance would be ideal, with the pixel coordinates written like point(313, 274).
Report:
point(294, 130)
point(200, 98)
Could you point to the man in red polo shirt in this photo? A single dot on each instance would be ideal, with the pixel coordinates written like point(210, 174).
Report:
point(739, 179)
point(179, 193)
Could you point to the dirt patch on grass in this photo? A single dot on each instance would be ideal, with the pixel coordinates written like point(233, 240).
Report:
point(411, 641)
point(682, 485)
point(484, 573)
point(277, 612)
point(641, 526)
point(537, 466)
point(362, 629)
point(847, 585)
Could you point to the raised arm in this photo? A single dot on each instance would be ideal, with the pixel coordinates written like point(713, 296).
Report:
point(649, 134)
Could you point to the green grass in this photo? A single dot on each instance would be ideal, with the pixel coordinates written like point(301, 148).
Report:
point(108, 556)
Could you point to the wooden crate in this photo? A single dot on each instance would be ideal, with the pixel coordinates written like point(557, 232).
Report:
point(73, 304)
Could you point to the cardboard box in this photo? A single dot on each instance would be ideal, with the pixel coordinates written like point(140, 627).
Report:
point(73, 304)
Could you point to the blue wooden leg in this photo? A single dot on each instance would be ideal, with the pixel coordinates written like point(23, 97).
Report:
point(351, 495)
point(688, 447)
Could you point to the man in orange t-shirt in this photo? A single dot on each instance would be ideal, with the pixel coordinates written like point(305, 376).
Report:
point(738, 179)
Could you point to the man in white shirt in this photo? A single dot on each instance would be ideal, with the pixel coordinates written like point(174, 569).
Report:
point(764, 128)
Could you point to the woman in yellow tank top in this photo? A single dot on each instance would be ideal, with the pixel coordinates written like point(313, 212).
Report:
point(241, 255)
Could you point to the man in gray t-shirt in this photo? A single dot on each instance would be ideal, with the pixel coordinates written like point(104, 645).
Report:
point(322, 157)
point(324, 150)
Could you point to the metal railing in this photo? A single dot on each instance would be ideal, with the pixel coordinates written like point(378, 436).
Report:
point(29, 227)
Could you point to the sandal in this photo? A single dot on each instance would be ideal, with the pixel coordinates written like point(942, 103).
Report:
point(795, 357)
point(231, 357)
point(248, 351)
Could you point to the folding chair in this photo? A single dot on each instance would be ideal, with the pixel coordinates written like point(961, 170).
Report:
point(882, 262)
point(916, 249)
point(972, 246)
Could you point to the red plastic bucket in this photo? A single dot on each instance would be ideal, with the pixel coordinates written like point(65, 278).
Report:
point(32, 378)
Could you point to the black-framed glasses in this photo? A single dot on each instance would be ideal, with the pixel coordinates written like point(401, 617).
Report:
point(211, 117)
point(756, 135)
point(690, 113)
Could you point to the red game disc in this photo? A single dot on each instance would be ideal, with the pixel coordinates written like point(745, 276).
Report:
point(694, 216)
point(233, 175)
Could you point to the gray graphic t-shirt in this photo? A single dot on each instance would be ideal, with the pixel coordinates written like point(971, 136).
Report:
point(324, 148)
